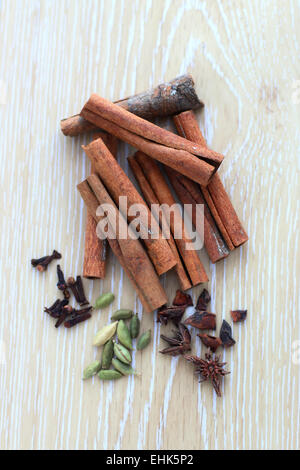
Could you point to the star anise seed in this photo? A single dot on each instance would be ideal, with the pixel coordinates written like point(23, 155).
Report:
point(165, 314)
point(209, 369)
point(180, 343)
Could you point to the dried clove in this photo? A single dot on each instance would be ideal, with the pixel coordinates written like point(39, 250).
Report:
point(42, 263)
point(74, 320)
point(61, 284)
point(209, 369)
point(203, 300)
point(72, 284)
point(80, 290)
point(210, 341)
point(180, 343)
point(226, 335)
point(165, 314)
point(56, 309)
point(203, 321)
point(238, 315)
point(182, 299)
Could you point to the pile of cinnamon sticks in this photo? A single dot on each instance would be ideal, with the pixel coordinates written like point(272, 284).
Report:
point(191, 170)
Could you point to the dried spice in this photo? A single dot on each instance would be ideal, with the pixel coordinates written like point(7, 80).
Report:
point(42, 263)
point(123, 334)
point(210, 341)
point(209, 369)
point(180, 343)
point(122, 353)
point(91, 369)
point(77, 319)
point(122, 314)
point(182, 299)
point(144, 340)
point(71, 312)
point(124, 369)
point(61, 284)
point(109, 374)
point(134, 326)
point(174, 314)
point(73, 286)
point(104, 300)
point(82, 298)
point(202, 321)
point(238, 315)
point(104, 334)
point(203, 300)
point(226, 335)
point(107, 354)
point(56, 309)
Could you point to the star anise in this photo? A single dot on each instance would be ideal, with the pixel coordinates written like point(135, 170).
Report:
point(182, 299)
point(180, 343)
point(203, 300)
point(209, 369)
point(175, 314)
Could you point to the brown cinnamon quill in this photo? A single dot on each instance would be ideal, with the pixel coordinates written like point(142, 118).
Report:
point(162, 191)
point(95, 250)
point(118, 184)
point(129, 251)
point(214, 194)
point(166, 99)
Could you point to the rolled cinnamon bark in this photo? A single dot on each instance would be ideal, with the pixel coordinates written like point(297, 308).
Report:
point(139, 126)
point(166, 99)
point(180, 160)
point(118, 185)
point(189, 193)
point(215, 194)
point(95, 250)
point(162, 191)
point(153, 204)
point(129, 252)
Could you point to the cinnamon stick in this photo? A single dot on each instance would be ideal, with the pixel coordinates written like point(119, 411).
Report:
point(162, 191)
point(118, 184)
point(215, 194)
point(129, 252)
point(139, 126)
point(166, 99)
point(190, 194)
point(153, 204)
point(95, 250)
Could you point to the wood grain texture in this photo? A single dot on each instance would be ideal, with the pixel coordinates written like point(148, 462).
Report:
point(244, 57)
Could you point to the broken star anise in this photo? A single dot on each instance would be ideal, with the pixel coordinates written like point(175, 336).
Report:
point(182, 299)
point(175, 314)
point(203, 300)
point(180, 343)
point(209, 369)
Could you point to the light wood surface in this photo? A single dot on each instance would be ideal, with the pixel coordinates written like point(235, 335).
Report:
point(244, 57)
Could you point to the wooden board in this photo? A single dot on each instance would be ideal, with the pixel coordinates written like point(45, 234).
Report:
point(244, 56)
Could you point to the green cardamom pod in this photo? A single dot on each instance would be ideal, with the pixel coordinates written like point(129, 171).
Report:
point(144, 340)
point(105, 334)
point(124, 369)
point(122, 314)
point(109, 374)
point(134, 326)
point(104, 300)
point(107, 354)
point(122, 353)
point(124, 334)
point(91, 370)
